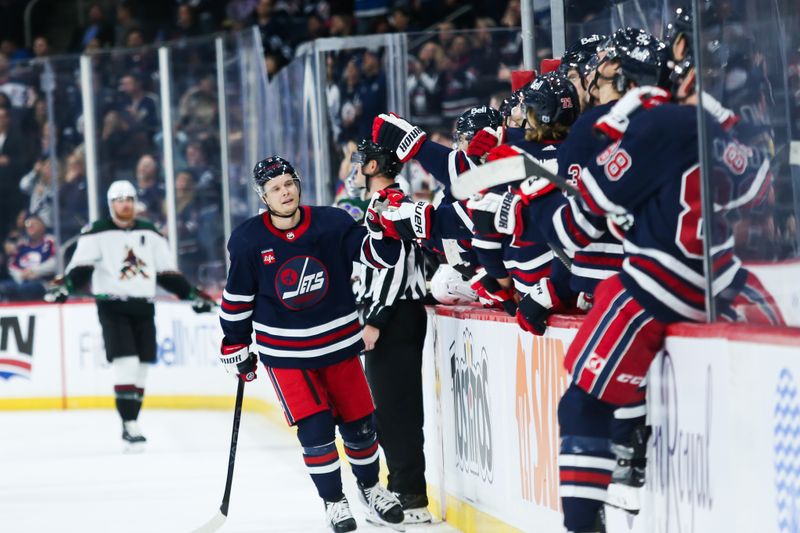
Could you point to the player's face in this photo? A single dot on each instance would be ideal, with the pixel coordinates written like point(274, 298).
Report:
point(574, 76)
point(123, 209)
point(282, 195)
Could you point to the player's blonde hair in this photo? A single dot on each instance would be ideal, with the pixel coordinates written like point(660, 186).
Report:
point(538, 132)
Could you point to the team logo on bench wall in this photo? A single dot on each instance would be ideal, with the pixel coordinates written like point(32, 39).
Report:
point(301, 282)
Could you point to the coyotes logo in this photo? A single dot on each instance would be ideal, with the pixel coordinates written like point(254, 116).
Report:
point(132, 266)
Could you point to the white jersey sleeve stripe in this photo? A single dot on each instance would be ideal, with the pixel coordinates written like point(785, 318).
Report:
point(238, 297)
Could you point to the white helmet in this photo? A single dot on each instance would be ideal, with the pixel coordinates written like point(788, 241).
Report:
point(121, 189)
point(449, 287)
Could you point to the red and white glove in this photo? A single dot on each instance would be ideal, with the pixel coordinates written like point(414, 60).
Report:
point(397, 134)
point(486, 139)
point(726, 118)
point(614, 123)
point(405, 219)
point(372, 218)
point(497, 213)
point(536, 306)
point(491, 294)
point(237, 359)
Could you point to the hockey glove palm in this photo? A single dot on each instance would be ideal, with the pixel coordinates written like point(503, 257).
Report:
point(491, 294)
point(398, 135)
point(614, 123)
point(484, 140)
point(237, 359)
point(536, 306)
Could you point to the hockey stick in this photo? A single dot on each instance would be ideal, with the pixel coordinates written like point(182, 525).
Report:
point(503, 171)
point(215, 523)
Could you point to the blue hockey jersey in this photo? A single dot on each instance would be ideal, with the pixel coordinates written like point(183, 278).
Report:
point(293, 287)
point(565, 223)
point(653, 174)
point(528, 259)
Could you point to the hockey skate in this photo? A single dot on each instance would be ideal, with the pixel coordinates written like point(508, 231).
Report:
point(132, 436)
point(339, 516)
point(384, 508)
point(415, 508)
point(628, 476)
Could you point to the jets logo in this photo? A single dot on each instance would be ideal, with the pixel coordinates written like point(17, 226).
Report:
point(301, 282)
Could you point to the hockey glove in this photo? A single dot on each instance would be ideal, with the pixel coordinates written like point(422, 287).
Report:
point(408, 221)
point(237, 359)
point(372, 219)
point(491, 294)
point(397, 134)
point(56, 294)
point(614, 123)
point(202, 302)
point(484, 140)
point(497, 213)
point(536, 306)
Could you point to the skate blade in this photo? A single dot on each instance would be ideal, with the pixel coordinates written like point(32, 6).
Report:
point(417, 516)
point(133, 447)
point(378, 521)
point(624, 497)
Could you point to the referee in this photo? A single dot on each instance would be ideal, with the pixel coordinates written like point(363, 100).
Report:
point(394, 333)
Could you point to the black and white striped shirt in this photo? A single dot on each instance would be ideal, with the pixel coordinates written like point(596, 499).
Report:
point(380, 289)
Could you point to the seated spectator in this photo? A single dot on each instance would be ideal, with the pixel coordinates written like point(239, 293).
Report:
point(14, 159)
point(73, 201)
point(96, 29)
point(150, 190)
point(187, 214)
point(350, 110)
point(140, 107)
point(37, 185)
point(41, 47)
point(126, 21)
point(186, 25)
point(371, 92)
point(197, 110)
point(19, 93)
point(33, 263)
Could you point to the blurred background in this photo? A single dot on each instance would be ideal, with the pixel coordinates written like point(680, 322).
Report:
point(182, 97)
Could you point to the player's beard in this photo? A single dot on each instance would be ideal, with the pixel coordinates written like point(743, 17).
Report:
point(126, 219)
point(284, 212)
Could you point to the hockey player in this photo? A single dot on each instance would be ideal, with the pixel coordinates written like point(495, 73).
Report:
point(289, 280)
point(125, 258)
point(651, 173)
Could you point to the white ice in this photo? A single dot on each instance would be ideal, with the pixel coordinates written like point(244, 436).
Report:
point(64, 472)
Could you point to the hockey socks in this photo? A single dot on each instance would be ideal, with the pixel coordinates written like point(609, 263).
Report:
point(361, 448)
point(129, 379)
point(316, 434)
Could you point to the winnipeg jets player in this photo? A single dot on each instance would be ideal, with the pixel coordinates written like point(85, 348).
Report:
point(289, 280)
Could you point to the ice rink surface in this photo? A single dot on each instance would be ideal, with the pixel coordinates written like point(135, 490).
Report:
point(64, 472)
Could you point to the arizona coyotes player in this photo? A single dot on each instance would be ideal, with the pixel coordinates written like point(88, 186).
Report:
point(289, 280)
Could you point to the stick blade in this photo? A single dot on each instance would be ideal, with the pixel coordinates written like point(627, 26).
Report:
point(212, 525)
point(488, 175)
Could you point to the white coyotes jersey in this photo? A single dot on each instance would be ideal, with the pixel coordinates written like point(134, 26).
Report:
point(125, 261)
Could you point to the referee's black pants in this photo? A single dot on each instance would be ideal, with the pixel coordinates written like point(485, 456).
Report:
point(394, 372)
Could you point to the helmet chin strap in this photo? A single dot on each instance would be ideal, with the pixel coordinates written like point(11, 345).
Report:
point(272, 212)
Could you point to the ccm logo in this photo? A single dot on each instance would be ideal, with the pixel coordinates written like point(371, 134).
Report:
point(633, 380)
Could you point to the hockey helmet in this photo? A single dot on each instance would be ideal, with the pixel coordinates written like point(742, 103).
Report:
point(579, 54)
point(270, 168)
point(474, 120)
point(388, 163)
point(553, 99)
point(642, 59)
point(120, 189)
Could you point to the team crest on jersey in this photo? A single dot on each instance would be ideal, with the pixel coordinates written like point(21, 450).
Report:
point(268, 256)
point(301, 282)
point(132, 266)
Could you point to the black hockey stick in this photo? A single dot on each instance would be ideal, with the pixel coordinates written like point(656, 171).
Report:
point(219, 519)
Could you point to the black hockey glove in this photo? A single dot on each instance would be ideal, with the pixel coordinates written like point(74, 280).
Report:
point(536, 306)
point(58, 292)
point(237, 359)
point(202, 302)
